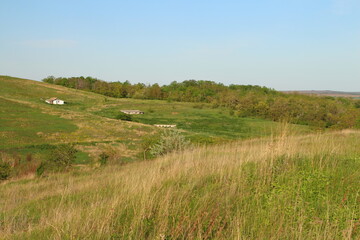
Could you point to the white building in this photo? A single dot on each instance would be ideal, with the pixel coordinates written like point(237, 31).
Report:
point(132, 111)
point(55, 100)
point(165, 125)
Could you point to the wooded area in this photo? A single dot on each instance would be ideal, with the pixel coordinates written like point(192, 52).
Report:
point(243, 100)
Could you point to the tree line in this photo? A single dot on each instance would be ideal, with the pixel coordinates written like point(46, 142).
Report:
point(243, 100)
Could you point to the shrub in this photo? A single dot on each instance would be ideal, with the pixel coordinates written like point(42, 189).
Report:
point(357, 104)
point(103, 158)
point(215, 105)
point(198, 106)
point(5, 170)
point(40, 169)
point(29, 157)
point(63, 156)
point(146, 144)
point(170, 141)
point(42, 146)
point(123, 116)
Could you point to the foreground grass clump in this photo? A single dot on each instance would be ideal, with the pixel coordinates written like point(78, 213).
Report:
point(290, 187)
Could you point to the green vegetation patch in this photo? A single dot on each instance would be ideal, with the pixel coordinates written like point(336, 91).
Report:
point(245, 100)
point(203, 124)
point(292, 192)
point(21, 124)
point(301, 188)
point(82, 158)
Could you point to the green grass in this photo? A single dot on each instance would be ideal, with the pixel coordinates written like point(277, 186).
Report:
point(278, 187)
point(27, 121)
point(21, 124)
point(82, 158)
point(201, 123)
point(293, 187)
point(36, 92)
point(205, 124)
point(88, 120)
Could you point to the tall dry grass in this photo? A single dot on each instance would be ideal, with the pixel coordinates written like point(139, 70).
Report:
point(284, 187)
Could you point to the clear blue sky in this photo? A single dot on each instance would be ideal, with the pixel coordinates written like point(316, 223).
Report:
point(282, 44)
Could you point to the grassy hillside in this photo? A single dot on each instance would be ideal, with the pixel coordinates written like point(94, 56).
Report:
point(31, 94)
point(28, 125)
point(200, 122)
point(289, 187)
point(22, 124)
point(244, 100)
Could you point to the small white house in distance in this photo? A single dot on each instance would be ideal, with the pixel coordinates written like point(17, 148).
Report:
point(132, 111)
point(55, 100)
point(165, 125)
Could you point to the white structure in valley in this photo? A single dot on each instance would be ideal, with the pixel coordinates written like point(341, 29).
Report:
point(55, 100)
point(132, 111)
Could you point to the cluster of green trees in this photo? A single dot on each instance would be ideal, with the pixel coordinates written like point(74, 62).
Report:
point(186, 91)
point(243, 100)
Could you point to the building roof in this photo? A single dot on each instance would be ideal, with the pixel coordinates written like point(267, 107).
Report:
point(165, 125)
point(131, 110)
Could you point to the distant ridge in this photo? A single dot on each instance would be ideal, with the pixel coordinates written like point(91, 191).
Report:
point(327, 93)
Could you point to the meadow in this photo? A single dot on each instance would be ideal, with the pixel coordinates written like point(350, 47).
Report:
point(200, 122)
point(21, 124)
point(30, 128)
point(242, 178)
point(27, 123)
point(285, 187)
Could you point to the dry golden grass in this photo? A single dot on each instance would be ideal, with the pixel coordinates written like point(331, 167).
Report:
point(220, 192)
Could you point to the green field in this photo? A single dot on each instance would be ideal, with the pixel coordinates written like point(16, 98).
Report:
point(201, 122)
point(87, 119)
point(26, 121)
point(243, 178)
point(21, 124)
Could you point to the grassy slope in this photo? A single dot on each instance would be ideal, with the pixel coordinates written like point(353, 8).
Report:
point(21, 124)
point(29, 93)
point(27, 123)
point(297, 187)
point(203, 124)
point(25, 119)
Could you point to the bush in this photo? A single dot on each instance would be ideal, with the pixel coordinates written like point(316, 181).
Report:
point(146, 144)
point(29, 157)
point(63, 156)
point(215, 105)
point(42, 146)
point(103, 158)
point(170, 141)
point(5, 170)
point(40, 169)
point(357, 104)
point(198, 106)
point(123, 116)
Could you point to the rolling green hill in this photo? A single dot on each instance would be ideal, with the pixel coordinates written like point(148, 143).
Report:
point(278, 185)
point(28, 125)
